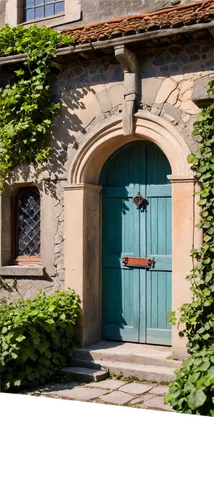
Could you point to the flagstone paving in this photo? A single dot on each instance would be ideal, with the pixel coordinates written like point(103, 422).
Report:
point(81, 393)
point(156, 402)
point(136, 388)
point(108, 383)
point(161, 390)
point(110, 391)
point(141, 399)
point(117, 398)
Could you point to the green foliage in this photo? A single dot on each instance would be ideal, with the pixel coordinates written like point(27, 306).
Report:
point(193, 390)
point(27, 109)
point(36, 338)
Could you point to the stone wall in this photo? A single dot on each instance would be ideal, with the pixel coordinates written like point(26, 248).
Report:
point(90, 91)
point(87, 96)
point(168, 77)
point(2, 12)
point(52, 233)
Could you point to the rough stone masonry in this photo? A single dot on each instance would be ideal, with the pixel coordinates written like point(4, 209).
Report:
point(89, 93)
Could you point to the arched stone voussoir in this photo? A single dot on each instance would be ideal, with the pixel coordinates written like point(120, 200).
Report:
point(107, 137)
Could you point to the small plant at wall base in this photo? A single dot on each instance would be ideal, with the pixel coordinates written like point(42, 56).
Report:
point(27, 109)
point(37, 338)
point(193, 389)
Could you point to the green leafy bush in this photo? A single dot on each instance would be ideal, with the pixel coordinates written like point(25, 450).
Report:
point(36, 338)
point(193, 390)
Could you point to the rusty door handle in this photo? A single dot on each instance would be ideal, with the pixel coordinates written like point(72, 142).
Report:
point(138, 262)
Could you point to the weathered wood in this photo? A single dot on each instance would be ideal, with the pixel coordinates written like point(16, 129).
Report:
point(136, 296)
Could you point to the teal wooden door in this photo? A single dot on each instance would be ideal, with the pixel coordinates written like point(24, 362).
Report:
point(136, 300)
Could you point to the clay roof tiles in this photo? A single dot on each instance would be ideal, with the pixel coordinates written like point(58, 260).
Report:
point(184, 15)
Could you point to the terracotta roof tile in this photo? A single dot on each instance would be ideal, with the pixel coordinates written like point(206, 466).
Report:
point(184, 15)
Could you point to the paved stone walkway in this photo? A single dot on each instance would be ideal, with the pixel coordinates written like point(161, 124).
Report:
point(110, 391)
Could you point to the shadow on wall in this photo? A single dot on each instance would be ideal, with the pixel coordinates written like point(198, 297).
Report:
point(76, 88)
point(177, 59)
point(82, 89)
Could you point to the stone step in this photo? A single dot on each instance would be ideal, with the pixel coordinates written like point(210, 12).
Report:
point(125, 353)
point(151, 373)
point(86, 364)
point(86, 374)
point(108, 365)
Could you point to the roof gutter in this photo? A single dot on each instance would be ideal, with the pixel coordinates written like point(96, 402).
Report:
point(116, 42)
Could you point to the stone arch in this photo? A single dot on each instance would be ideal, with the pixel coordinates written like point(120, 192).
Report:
point(83, 215)
point(108, 136)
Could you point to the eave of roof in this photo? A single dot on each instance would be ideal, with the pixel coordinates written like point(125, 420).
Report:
point(171, 18)
point(204, 8)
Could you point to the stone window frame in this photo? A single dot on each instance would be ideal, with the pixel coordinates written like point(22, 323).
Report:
point(9, 267)
point(16, 258)
point(15, 10)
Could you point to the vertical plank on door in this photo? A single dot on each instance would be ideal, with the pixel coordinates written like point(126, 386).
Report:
point(158, 287)
point(120, 238)
point(142, 230)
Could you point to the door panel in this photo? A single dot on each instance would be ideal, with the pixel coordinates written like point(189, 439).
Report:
point(158, 293)
point(120, 284)
point(121, 299)
point(136, 300)
point(158, 282)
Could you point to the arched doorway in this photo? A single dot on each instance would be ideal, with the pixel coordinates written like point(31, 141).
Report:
point(137, 295)
point(83, 216)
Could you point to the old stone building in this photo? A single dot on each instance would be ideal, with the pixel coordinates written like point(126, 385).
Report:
point(130, 88)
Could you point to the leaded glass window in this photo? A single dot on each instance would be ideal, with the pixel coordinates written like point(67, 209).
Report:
point(37, 9)
point(28, 222)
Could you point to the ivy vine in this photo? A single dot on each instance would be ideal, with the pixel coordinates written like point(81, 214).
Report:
point(27, 108)
point(192, 390)
point(198, 315)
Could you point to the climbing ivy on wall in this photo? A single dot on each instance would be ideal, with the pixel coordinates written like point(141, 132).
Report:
point(198, 315)
point(192, 390)
point(27, 108)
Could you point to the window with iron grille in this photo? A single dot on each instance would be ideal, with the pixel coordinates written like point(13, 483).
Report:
point(37, 9)
point(28, 223)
